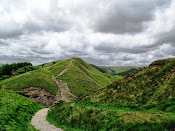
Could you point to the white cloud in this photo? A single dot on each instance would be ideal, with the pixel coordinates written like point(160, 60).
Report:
point(100, 31)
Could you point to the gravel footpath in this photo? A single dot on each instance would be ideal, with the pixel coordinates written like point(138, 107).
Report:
point(40, 123)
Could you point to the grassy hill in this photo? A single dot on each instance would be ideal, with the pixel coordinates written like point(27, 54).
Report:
point(81, 78)
point(16, 111)
point(144, 100)
point(124, 70)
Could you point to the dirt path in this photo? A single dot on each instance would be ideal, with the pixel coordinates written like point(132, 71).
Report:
point(66, 95)
point(40, 123)
point(63, 71)
point(39, 120)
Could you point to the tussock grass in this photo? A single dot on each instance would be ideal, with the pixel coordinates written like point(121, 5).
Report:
point(90, 117)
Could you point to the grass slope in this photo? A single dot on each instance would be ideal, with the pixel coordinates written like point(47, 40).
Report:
point(16, 111)
point(144, 100)
point(39, 78)
point(81, 78)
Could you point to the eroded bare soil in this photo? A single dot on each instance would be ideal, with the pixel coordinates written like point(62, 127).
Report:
point(40, 95)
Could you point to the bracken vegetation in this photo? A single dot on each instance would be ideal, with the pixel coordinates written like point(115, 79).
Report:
point(144, 100)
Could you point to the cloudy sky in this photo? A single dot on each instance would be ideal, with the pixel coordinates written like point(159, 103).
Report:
point(102, 32)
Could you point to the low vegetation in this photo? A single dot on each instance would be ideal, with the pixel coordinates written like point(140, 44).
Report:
point(39, 78)
point(16, 112)
point(14, 69)
point(82, 78)
point(143, 100)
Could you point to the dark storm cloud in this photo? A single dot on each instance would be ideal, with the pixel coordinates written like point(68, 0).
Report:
point(129, 16)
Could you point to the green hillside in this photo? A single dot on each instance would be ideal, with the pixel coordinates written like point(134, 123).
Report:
point(144, 100)
point(149, 84)
point(16, 112)
point(124, 70)
point(82, 79)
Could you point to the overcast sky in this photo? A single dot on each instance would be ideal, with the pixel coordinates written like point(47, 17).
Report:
point(102, 32)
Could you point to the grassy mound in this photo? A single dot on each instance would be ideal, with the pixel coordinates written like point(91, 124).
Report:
point(39, 78)
point(143, 100)
point(16, 111)
point(83, 79)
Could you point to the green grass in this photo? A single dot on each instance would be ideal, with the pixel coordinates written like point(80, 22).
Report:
point(16, 112)
point(145, 85)
point(39, 78)
point(53, 63)
point(90, 117)
point(82, 78)
point(141, 101)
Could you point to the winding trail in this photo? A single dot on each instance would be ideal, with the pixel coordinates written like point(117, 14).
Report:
point(40, 123)
point(39, 120)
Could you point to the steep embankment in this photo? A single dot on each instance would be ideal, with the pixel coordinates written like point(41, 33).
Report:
point(143, 100)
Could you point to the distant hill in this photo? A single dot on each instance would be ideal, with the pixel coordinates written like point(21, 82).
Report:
point(143, 100)
point(123, 70)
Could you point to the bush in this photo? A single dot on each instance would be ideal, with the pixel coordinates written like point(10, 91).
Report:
point(8, 69)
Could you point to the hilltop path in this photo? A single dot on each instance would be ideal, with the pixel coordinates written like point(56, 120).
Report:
point(40, 123)
point(65, 94)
